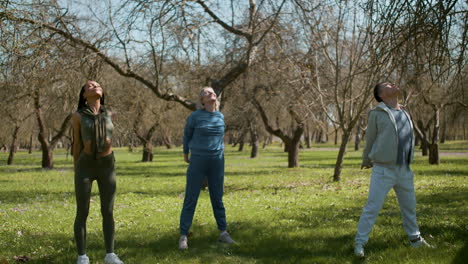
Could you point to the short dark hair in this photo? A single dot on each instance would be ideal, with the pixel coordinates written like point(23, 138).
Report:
point(377, 91)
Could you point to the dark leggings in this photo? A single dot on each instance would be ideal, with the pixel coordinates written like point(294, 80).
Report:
point(87, 170)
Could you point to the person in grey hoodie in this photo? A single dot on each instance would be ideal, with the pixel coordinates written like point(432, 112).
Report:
point(389, 152)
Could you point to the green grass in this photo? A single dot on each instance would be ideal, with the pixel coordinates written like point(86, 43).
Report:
point(278, 215)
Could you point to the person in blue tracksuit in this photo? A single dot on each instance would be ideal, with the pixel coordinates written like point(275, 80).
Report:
point(204, 141)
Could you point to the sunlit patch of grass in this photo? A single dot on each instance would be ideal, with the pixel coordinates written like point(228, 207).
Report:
point(278, 215)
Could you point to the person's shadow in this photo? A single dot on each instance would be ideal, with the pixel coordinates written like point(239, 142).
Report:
point(462, 255)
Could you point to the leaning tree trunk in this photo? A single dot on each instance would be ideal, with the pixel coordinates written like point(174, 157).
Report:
point(339, 160)
point(336, 136)
point(47, 153)
point(13, 145)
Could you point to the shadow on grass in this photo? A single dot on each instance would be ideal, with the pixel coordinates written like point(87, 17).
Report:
point(18, 196)
point(256, 244)
point(462, 255)
point(453, 160)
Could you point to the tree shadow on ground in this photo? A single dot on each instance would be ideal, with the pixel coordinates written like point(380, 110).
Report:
point(295, 243)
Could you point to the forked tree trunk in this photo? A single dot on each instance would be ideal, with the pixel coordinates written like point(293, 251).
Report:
point(147, 152)
point(42, 137)
point(48, 145)
point(11, 155)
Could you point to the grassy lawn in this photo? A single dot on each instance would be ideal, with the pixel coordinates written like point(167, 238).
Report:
point(277, 215)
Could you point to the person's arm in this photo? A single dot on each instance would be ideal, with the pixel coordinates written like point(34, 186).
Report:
point(77, 144)
point(371, 134)
point(188, 133)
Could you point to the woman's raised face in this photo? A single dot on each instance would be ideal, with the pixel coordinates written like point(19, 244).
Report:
point(208, 95)
point(92, 89)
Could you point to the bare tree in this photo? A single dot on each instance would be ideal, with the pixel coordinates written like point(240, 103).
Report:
point(432, 63)
point(123, 22)
point(346, 57)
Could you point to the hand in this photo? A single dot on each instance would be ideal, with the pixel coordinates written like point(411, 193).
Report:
point(186, 158)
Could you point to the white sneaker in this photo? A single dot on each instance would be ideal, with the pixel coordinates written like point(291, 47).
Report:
point(224, 237)
point(112, 258)
point(83, 259)
point(359, 250)
point(420, 243)
point(183, 243)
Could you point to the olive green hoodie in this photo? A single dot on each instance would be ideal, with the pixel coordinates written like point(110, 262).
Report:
point(382, 137)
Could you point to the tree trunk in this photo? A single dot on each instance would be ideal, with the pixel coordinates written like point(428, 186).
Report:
point(423, 138)
point(336, 136)
point(253, 140)
point(434, 154)
point(30, 144)
point(267, 141)
point(147, 152)
point(307, 137)
point(319, 138)
point(241, 145)
point(167, 141)
point(424, 147)
point(13, 145)
point(47, 154)
point(339, 160)
point(293, 153)
point(357, 139)
point(443, 133)
point(47, 158)
point(434, 146)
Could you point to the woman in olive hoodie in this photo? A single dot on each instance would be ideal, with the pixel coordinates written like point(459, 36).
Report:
point(93, 160)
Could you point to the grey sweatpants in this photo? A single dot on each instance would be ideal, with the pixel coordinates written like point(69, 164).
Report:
point(400, 178)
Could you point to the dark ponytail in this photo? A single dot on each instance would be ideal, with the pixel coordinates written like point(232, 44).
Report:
point(82, 100)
